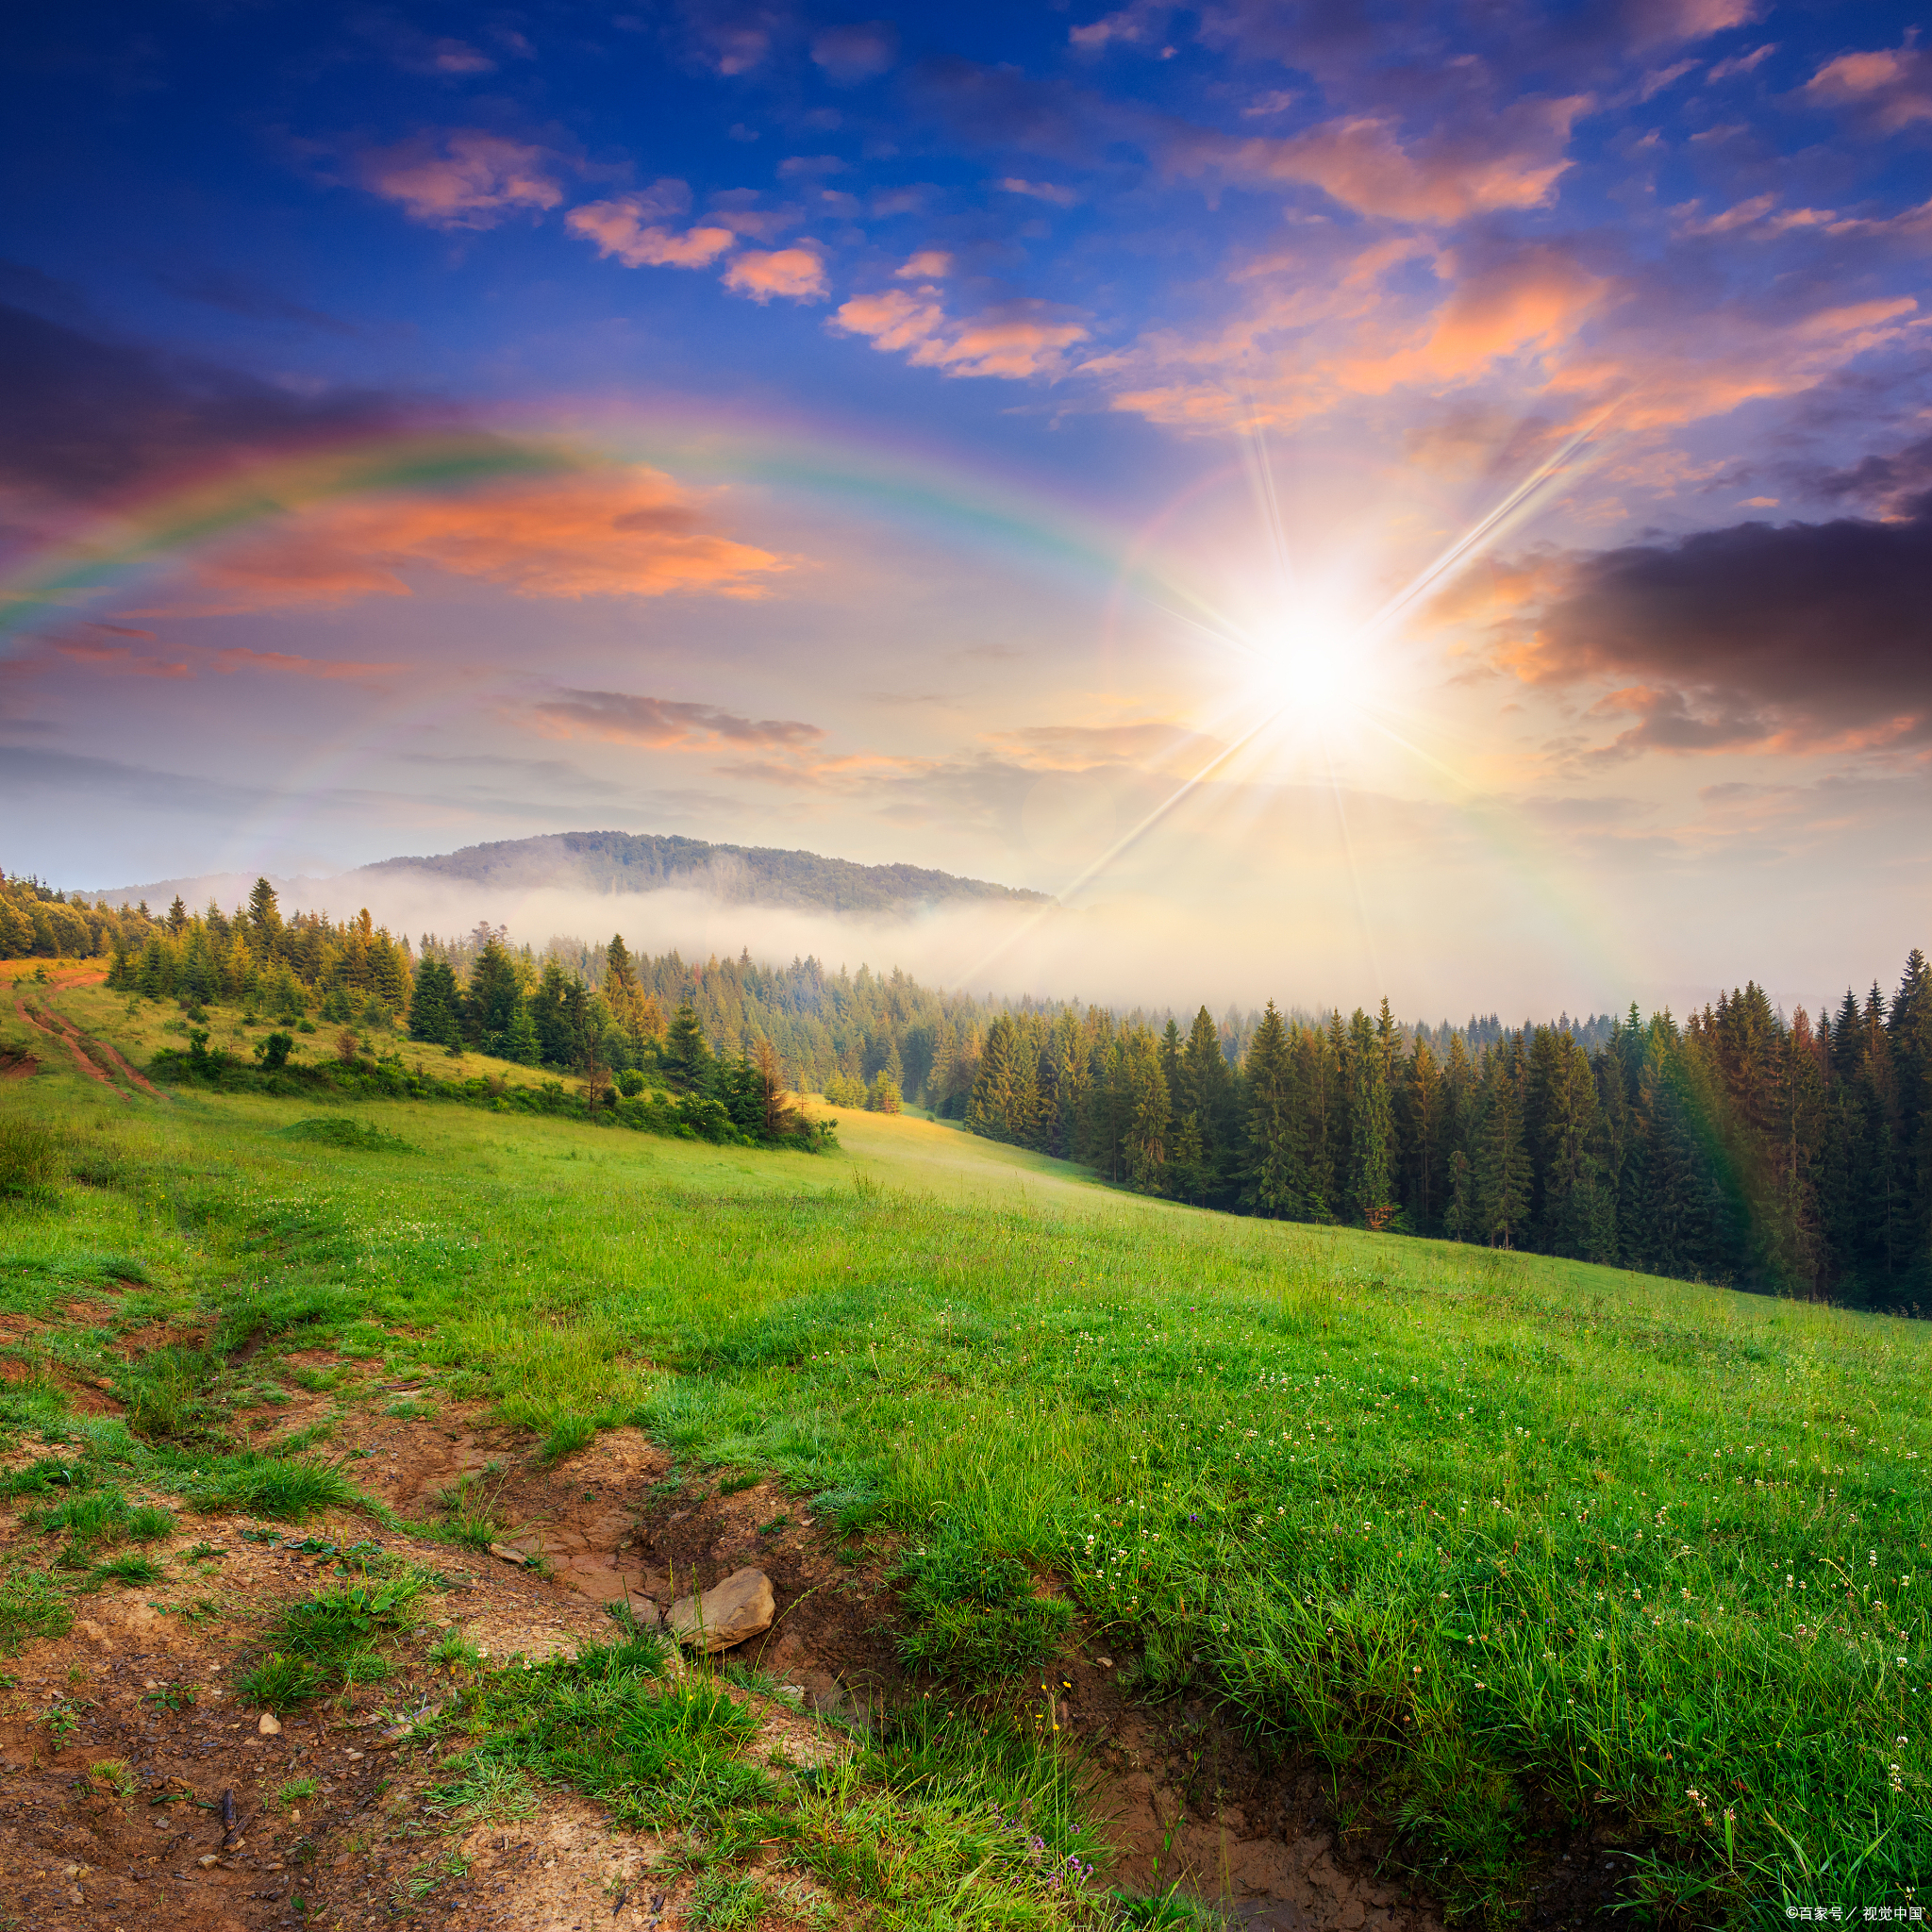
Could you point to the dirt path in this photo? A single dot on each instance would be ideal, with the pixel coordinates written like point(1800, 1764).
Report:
point(116, 1817)
point(63, 1035)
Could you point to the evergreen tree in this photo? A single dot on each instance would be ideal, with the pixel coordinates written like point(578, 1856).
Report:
point(1268, 1178)
point(1150, 1111)
point(1504, 1173)
point(686, 1057)
point(521, 1044)
point(1371, 1124)
point(433, 1005)
point(1421, 1127)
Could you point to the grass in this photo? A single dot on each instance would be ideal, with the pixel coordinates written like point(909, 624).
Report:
point(1516, 1545)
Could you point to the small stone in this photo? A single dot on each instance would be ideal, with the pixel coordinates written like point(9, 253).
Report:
point(206, 1859)
point(1106, 1663)
point(269, 1725)
point(727, 1613)
point(509, 1555)
point(354, 1753)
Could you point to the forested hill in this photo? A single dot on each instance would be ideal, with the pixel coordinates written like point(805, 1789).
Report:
point(747, 875)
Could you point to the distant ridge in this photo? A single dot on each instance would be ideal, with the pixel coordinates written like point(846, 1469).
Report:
point(744, 874)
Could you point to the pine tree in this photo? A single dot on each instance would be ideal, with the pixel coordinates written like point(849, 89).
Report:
point(1422, 1132)
point(1503, 1171)
point(433, 1004)
point(1150, 1109)
point(1371, 1124)
point(1208, 1096)
point(687, 1055)
point(1267, 1180)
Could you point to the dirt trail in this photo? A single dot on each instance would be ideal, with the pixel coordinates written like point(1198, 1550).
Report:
point(112, 1821)
point(64, 1034)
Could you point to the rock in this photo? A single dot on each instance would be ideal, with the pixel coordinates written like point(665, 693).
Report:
point(269, 1725)
point(207, 1860)
point(1106, 1663)
point(727, 1613)
point(509, 1555)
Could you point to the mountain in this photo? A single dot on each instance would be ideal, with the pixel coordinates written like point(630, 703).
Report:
point(640, 863)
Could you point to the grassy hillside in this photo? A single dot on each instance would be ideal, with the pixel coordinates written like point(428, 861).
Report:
point(1516, 1541)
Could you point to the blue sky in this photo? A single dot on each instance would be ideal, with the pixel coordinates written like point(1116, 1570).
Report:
point(947, 436)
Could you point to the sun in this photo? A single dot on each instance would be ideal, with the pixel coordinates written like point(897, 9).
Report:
point(1312, 668)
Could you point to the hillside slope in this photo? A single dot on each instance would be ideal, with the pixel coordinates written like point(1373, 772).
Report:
point(749, 874)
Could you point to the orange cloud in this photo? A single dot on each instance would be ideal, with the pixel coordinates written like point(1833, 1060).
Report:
point(1360, 162)
point(625, 228)
point(467, 179)
point(1016, 339)
point(665, 724)
point(119, 661)
point(235, 657)
point(796, 273)
point(600, 533)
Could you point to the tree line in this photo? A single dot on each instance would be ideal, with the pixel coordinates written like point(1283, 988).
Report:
point(1737, 1146)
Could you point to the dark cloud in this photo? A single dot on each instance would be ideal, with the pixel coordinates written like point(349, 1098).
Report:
point(236, 295)
point(1900, 485)
point(82, 417)
point(1799, 636)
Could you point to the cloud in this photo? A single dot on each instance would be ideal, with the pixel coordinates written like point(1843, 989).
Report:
point(1888, 90)
point(1899, 485)
point(810, 167)
point(83, 418)
point(1154, 744)
point(1512, 159)
point(797, 273)
point(1803, 637)
point(120, 661)
point(333, 670)
point(1662, 22)
point(1741, 63)
point(925, 265)
point(634, 229)
point(1016, 339)
point(465, 178)
point(1038, 190)
point(1137, 26)
point(665, 724)
point(848, 55)
point(621, 532)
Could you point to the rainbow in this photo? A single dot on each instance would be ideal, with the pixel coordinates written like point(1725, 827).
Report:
point(142, 534)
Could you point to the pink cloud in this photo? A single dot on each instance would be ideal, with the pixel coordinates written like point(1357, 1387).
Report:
point(1361, 162)
point(1015, 340)
point(631, 228)
point(462, 179)
point(1038, 190)
point(797, 273)
point(925, 265)
point(1891, 87)
point(665, 724)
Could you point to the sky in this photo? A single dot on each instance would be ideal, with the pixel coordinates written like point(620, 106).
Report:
point(1422, 500)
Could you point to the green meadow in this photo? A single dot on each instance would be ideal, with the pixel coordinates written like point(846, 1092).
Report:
point(1512, 1543)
